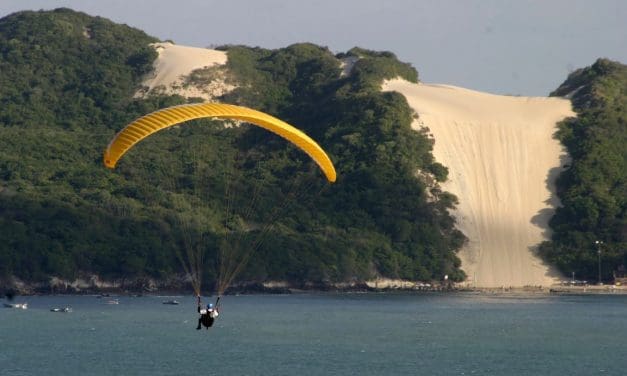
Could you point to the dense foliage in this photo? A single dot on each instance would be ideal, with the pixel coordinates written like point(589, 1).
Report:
point(65, 77)
point(593, 190)
point(66, 85)
point(377, 217)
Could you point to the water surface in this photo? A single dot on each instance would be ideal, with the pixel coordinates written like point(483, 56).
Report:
point(319, 334)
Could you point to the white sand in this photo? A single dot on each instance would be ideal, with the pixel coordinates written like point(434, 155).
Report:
point(503, 161)
point(174, 65)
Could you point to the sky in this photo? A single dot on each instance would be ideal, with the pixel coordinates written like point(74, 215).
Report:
point(522, 47)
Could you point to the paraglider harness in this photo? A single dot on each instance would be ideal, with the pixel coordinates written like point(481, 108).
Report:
point(207, 316)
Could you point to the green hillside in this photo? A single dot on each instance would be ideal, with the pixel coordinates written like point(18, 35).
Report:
point(593, 190)
point(67, 86)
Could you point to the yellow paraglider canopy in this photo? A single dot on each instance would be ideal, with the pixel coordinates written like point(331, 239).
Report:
point(167, 117)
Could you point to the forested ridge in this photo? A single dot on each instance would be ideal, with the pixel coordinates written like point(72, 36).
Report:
point(66, 86)
point(593, 190)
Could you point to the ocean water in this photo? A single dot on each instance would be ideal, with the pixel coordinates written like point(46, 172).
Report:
point(319, 334)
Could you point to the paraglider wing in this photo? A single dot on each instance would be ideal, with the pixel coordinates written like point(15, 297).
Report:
point(164, 118)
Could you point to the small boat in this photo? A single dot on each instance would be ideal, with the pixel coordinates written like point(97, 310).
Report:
point(64, 309)
point(16, 305)
point(112, 301)
point(171, 302)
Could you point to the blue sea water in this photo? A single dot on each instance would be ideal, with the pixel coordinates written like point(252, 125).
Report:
point(319, 334)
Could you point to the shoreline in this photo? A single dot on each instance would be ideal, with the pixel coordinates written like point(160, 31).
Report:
point(272, 288)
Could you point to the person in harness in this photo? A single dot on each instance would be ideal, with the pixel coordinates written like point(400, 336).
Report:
point(208, 315)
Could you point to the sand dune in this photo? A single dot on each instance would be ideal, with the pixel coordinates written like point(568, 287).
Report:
point(503, 161)
point(174, 65)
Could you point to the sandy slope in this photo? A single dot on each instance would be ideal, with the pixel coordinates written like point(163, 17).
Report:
point(176, 62)
point(502, 162)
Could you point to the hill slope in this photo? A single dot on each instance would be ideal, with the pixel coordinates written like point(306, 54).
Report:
point(70, 81)
point(68, 84)
point(594, 189)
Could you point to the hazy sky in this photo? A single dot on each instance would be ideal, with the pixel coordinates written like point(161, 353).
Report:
point(525, 47)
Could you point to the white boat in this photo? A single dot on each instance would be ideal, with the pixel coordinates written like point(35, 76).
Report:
point(112, 301)
point(16, 305)
point(64, 309)
point(171, 302)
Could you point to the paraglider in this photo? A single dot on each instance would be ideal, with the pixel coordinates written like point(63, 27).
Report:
point(208, 315)
point(158, 120)
point(162, 119)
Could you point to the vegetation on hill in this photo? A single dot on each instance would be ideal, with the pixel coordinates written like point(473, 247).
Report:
point(67, 86)
point(593, 190)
